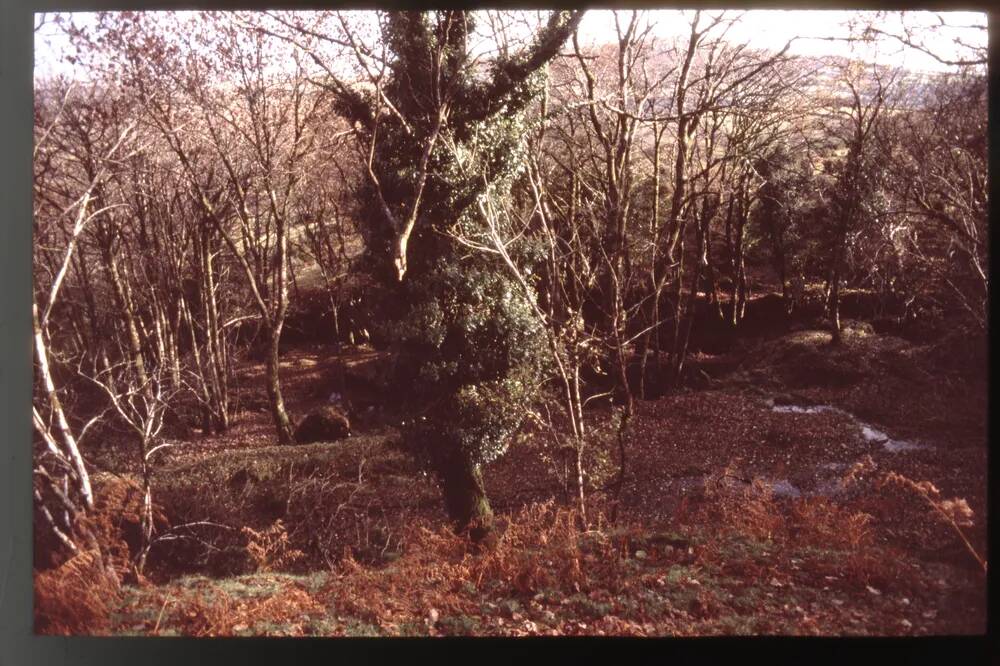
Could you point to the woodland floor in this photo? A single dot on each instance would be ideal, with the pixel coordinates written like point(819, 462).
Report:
point(736, 516)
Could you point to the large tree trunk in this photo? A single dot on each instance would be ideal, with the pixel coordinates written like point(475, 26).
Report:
point(465, 497)
point(281, 420)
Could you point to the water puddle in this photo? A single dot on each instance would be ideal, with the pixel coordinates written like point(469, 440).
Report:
point(876, 436)
point(784, 488)
point(869, 433)
point(804, 409)
point(828, 481)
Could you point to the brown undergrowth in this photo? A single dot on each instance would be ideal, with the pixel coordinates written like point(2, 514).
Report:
point(270, 549)
point(625, 579)
point(442, 573)
point(539, 547)
point(954, 513)
point(74, 599)
point(117, 519)
point(749, 509)
point(211, 609)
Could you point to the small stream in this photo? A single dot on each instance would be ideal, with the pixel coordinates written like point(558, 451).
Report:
point(828, 481)
point(869, 433)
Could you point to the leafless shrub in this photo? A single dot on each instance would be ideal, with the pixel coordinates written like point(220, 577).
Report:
point(269, 549)
point(955, 512)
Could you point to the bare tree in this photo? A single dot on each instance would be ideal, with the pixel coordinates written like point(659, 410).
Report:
point(939, 175)
point(914, 32)
point(142, 408)
point(857, 116)
point(63, 489)
point(245, 161)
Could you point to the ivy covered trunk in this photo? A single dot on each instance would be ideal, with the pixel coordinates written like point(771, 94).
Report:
point(474, 358)
point(465, 498)
point(446, 139)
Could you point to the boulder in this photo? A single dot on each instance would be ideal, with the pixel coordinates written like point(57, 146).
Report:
point(324, 424)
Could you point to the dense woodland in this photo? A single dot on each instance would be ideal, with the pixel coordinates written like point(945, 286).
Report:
point(451, 323)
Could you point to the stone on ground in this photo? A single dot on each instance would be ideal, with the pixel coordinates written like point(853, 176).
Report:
point(324, 424)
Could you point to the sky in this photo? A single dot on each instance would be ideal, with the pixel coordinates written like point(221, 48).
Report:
point(769, 29)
